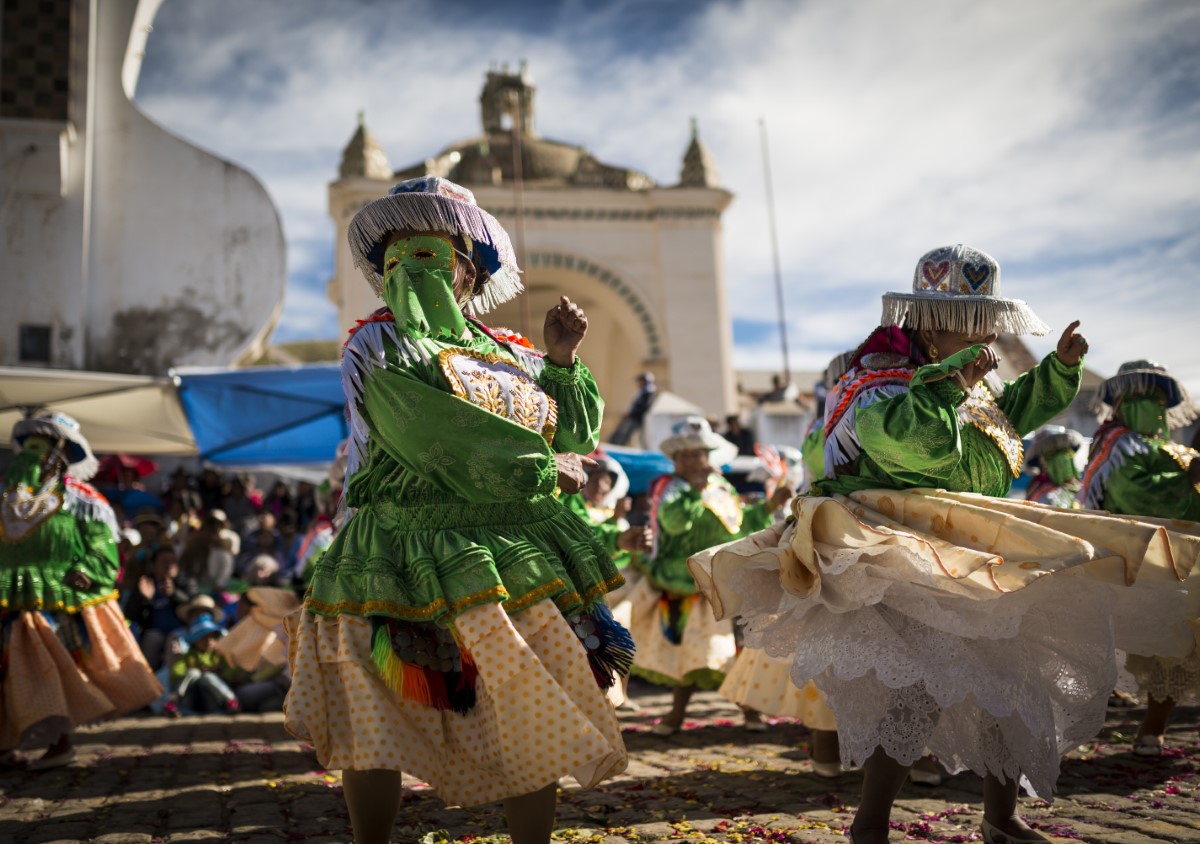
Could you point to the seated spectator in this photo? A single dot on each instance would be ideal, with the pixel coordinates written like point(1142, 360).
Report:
point(230, 540)
point(154, 604)
point(200, 677)
point(206, 560)
point(263, 570)
point(241, 510)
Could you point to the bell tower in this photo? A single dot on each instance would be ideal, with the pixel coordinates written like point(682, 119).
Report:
point(507, 98)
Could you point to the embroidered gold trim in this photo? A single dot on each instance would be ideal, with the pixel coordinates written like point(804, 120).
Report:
point(489, 396)
point(41, 606)
point(1182, 455)
point(41, 517)
point(981, 411)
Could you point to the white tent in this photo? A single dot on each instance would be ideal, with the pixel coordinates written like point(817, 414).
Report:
point(137, 414)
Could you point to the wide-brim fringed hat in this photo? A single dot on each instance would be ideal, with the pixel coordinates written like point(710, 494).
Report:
point(1142, 376)
point(695, 432)
point(957, 288)
point(58, 426)
point(1051, 438)
point(431, 203)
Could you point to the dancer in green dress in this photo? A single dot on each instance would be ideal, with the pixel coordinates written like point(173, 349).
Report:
point(1134, 468)
point(456, 627)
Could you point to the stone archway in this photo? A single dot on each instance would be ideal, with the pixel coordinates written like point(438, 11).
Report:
point(624, 337)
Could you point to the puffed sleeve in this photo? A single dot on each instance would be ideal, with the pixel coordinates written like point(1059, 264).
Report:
point(1153, 484)
point(99, 561)
point(580, 408)
point(1040, 394)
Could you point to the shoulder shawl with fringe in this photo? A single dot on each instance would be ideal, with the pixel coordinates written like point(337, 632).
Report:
point(85, 502)
point(366, 351)
point(1111, 449)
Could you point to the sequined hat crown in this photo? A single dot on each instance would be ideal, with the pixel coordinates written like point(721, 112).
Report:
point(431, 203)
point(957, 288)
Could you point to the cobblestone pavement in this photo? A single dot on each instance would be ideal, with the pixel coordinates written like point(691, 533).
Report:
point(244, 779)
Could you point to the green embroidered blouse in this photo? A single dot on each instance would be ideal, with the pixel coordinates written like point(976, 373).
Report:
point(917, 438)
point(1154, 483)
point(687, 524)
point(79, 536)
point(454, 504)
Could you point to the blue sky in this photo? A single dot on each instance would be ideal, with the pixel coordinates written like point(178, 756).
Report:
point(1062, 137)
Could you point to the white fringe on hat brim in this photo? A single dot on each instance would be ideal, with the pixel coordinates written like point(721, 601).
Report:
point(1179, 415)
point(1055, 442)
point(961, 314)
point(431, 212)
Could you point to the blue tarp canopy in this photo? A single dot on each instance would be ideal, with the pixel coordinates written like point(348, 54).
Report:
point(269, 415)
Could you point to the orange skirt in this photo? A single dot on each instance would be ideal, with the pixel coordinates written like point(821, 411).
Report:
point(45, 694)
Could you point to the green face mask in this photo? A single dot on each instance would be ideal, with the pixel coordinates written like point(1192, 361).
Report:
point(1060, 466)
point(26, 467)
point(1145, 414)
point(418, 277)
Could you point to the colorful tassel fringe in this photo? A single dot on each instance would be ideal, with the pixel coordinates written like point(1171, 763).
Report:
point(609, 646)
point(440, 689)
point(673, 614)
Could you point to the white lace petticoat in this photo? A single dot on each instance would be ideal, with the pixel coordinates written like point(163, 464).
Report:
point(983, 631)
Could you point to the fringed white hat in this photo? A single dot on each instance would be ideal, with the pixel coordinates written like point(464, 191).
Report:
point(59, 426)
point(1051, 438)
point(1142, 376)
point(695, 432)
point(957, 288)
point(432, 203)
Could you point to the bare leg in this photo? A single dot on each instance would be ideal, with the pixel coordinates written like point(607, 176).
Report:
point(373, 798)
point(882, 778)
point(1157, 714)
point(531, 816)
point(752, 719)
point(679, 701)
point(1000, 809)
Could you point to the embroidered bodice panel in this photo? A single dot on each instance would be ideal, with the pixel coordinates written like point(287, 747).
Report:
point(981, 411)
point(497, 385)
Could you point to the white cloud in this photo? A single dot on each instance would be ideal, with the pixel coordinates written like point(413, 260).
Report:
point(1052, 135)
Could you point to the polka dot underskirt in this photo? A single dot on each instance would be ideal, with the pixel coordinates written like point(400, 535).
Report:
point(765, 684)
point(539, 714)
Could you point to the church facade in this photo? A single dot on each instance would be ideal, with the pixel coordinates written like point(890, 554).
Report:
point(644, 260)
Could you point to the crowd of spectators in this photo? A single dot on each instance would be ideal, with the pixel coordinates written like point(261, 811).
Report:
point(194, 552)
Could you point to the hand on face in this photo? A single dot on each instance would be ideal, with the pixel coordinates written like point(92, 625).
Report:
point(565, 327)
point(635, 539)
point(1071, 346)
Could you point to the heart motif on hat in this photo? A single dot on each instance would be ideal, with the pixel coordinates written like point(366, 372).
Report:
point(934, 273)
point(976, 275)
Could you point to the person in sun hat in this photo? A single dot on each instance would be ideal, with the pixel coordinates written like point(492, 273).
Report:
point(68, 656)
point(1051, 459)
point(1135, 469)
point(931, 611)
point(679, 641)
point(201, 677)
point(456, 627)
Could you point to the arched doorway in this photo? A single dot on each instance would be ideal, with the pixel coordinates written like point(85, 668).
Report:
point(623, 335)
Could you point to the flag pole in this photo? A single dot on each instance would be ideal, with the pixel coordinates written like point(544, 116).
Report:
point(766, 157)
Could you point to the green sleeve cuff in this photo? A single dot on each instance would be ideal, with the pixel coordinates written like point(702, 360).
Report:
point(547, 478)
point(1061, 368)
point(568, 376)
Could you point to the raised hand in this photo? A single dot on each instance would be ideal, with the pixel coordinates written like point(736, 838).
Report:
point(974, 372)
point(782, 495)
point(1071, 346)
point(635, 539)
point(565, 327)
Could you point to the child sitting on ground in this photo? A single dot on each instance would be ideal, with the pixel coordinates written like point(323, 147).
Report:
point(199, 678)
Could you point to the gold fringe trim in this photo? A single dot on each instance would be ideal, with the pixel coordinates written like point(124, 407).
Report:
point(41, 606)
point(530, 598)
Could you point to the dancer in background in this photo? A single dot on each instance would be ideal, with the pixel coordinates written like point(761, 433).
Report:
point(931, 611)
point(68, 656)
point(679, 641)
point(1051, 459)
point(456, 627)
point(1135, 469)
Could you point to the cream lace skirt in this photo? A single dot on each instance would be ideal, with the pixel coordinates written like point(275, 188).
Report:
point(984, 629)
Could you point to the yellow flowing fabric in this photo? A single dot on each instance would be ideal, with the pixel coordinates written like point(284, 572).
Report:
point(984, 628)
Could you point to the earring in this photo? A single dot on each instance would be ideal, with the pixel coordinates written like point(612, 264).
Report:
point(933, 352)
